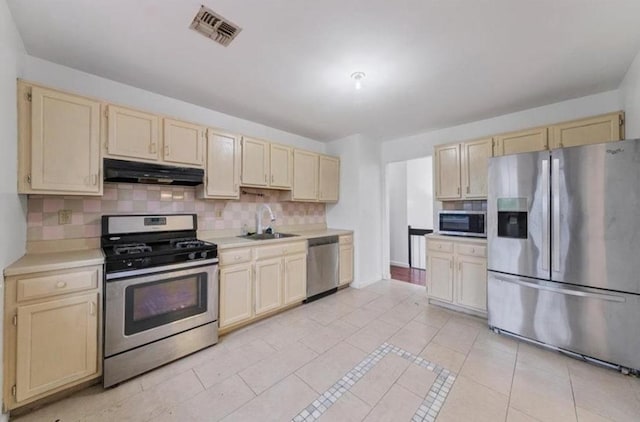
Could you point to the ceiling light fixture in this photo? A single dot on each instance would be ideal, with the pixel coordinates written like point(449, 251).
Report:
point(358, 77)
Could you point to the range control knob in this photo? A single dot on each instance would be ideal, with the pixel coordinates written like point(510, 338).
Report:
point(192, 255)
point(203, 254)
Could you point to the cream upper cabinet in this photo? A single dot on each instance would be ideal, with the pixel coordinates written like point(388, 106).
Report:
point(475, 164)
point(52, 333)
point(184, 143)
point(530, 140)
point(447, 172)
point(594, 130)
point(236, 294)
point(328, 178)
point(305, 175)
point(295, 278)
point(255, 162)
point(281, 166)
point(222, 178)
point(56, 345)
point(59, 143)
point(471, 279)
point(268, 285)
point(132, 134)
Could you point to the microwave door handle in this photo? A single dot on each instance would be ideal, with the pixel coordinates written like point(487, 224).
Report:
point(545, 214)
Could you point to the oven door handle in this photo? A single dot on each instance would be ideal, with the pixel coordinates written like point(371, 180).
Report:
point(161, 269)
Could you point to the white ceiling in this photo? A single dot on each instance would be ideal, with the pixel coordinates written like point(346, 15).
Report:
point(429, 63)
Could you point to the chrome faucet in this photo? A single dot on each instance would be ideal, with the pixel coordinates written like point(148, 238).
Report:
point(259, 213)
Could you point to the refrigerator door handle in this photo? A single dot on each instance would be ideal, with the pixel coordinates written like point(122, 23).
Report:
point(601, 296)
point(545, 215)
point(555, 222)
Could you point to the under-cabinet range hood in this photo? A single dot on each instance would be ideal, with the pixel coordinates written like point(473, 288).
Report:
point(135, 172)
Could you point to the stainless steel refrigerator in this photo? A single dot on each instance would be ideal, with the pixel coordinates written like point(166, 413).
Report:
point(564, 249)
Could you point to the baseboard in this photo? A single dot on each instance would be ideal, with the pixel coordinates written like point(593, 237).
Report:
point(362, 284)
point(399, 264)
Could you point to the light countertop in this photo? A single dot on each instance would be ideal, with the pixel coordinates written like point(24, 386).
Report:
point(39, 262)
point(237, 242)
point(450, 238)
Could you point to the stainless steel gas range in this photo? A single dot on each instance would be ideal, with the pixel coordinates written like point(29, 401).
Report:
point(161, 292)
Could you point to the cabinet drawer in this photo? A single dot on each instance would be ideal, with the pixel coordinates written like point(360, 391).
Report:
point(440, 246)
point(346, 239)
point(57, 284)
point(472, 250)
point(281, 249)
point(235, 256)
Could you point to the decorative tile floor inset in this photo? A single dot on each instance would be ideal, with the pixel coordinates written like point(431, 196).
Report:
point(429, 408)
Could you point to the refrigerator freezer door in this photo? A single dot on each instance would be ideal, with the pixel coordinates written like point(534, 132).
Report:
point(591, 322)
point(519, 183)
point(596, 216)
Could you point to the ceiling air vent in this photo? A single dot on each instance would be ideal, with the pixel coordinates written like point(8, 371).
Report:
point(214, 26)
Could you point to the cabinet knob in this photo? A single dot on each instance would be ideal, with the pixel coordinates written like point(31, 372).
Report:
point(473, 250)
point(166, 150)
point(61, 284)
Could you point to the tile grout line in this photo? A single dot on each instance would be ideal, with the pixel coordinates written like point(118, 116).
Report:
point(428, 409)
point(513, 378)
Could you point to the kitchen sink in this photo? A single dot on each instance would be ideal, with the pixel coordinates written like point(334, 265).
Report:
point(266, 236)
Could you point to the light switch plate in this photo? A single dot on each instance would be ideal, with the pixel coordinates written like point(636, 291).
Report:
point(64, 216)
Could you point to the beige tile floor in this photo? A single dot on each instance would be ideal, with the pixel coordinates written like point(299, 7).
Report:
point(275, 368)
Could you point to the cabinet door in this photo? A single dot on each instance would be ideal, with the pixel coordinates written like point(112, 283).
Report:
point(132, 133)
point(518, 142)
point(255, 162)
point(346, 264)
point(281, 166)
point(236, 294)
point(268, 285)
point(475, 165)
point(305, 176)
point(329, 178)
point(593, 130)
point(65, 143)
point(57, 344)
point(183, 143)
point(447, 172)
point(471, 286)
point(440, 282)
point(295, 278)
point(223, 165)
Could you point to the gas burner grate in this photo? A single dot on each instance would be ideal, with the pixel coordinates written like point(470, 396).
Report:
point(132, 248)
point(187, 243)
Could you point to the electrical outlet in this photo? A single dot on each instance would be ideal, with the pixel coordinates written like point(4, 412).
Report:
point(64, 216)
point(218, 213)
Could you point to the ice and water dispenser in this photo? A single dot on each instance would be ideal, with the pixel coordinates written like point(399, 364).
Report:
point(512, 218)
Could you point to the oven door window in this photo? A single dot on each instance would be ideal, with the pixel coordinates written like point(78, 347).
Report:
point(158, 303)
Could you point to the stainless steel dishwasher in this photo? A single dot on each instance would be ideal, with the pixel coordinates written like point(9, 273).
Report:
point(322, 267)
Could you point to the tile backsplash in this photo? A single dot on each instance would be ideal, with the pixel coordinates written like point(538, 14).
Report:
point(123, 198)
point(464, 205)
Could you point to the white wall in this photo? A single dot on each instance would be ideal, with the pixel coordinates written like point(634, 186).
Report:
point(72, 80)
point(397, 196)
point(420, 193)
point(360, 206)
point(13, 226)
point(421, 145)
point(630, 89)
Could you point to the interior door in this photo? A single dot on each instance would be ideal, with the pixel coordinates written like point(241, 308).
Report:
point(596, 218)
point(518, 219)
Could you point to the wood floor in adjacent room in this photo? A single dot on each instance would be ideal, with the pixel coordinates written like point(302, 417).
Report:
point(409, 275)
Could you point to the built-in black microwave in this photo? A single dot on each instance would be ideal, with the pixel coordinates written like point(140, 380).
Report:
point(463, 223)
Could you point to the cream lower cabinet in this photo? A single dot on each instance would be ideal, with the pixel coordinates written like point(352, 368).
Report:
point(457, 273)
point(52, 333)
point(236, 294)
point(59, 143)
point(260, 280)
point(346, 259)
point(268, 285)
